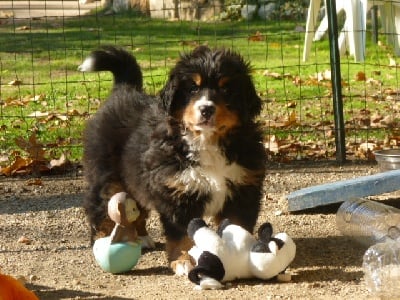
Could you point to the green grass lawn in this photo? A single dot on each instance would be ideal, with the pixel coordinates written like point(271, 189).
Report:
point(42, 92)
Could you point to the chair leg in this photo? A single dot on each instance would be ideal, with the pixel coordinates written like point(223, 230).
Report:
point(355, 29)
point(353, 34)
point(310, 26)
point(323, 26)
point(396, 12)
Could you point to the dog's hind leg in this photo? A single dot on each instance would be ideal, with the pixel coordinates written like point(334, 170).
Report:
point(95, 205)
point(140, 224)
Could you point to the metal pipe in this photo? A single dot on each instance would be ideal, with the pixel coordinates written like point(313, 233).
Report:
point(336, 82)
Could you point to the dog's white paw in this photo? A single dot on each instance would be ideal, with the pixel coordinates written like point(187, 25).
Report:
point(147, 242)
point(181, 267)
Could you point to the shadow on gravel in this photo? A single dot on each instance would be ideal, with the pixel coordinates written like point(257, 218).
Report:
point(24, 204)
point(46, 293)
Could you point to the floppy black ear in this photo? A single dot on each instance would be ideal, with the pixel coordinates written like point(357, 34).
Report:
point(167, 93)
point(254, 101)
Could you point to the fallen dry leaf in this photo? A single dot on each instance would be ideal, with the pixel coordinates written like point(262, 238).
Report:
point(25, 27)
point(360, 76)
point(15, 82)
point(257, 37)
point(39, 97)
point(18, 164)
point(32, 147)
point(291, 119)
point(274, 75)
point(34, 181)
point(388, 120)
point(390, 91)
point(297, 80)
point(376, 72)
point(291, 104)
point(24, 240)
point(376, 118)
point(38, 114)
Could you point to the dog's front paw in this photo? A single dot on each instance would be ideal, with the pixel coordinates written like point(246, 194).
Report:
point(182, 267)
point(147, 242)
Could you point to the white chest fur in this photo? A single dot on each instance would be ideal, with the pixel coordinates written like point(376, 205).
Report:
point(211, 176)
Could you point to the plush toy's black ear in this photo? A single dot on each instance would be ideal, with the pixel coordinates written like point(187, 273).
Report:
point(265, 237)
point(265, 232)
point(225, 223)
point(260, 247)
point(208, 265)
point(194, 225)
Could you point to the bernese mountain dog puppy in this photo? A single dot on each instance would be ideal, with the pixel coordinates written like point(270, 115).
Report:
point(194, 151)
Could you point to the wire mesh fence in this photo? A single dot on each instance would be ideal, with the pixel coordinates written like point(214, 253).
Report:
point(44, 100)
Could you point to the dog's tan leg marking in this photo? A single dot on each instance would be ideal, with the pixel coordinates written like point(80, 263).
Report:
point(180, 261)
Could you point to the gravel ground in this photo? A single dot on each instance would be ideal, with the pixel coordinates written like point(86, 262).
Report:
point(56, 260)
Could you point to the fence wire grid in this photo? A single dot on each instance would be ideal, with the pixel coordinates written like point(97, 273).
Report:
point(45, 100)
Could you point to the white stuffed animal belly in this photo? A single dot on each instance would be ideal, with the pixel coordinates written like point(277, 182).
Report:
point(237, 241)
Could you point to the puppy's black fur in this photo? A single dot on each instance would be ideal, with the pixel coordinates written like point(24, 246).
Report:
point(194, 151)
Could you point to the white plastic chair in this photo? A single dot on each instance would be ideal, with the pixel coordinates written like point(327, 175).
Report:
point(390, 16)
point(354, 29)
point(353, 32)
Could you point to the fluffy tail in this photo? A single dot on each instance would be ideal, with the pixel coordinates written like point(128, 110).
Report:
point(119, 62)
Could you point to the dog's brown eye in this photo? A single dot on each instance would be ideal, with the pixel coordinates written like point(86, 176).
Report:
point(194, 88)
point(224, 90)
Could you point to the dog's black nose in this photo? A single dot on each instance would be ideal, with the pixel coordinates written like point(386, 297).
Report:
point(207, 111)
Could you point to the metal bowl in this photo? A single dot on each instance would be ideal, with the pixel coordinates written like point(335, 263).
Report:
point(388, 159)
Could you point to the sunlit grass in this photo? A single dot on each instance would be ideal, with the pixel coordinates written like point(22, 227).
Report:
point(39, 59)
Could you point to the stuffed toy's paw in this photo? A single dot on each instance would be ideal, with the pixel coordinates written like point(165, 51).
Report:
point(208, 283)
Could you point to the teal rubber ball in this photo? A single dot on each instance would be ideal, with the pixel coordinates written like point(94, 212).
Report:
point(116, 257)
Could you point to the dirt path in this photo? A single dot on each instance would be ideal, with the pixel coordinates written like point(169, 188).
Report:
point(58, 262)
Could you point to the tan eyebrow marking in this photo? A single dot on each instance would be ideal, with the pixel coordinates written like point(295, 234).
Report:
point(196, 79)
point(224, 80)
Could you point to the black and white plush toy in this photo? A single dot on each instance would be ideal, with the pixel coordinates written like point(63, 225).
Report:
point(232, 253)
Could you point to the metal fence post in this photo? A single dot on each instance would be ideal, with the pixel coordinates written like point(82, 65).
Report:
point(336, 81)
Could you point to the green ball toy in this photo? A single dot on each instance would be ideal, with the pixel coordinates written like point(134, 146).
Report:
point(119, 252)
point(116, 257)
